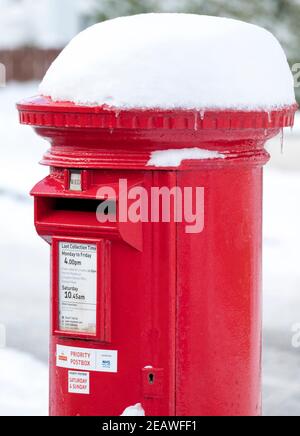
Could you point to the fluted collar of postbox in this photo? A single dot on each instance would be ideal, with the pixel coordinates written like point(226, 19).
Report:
point(162, 75)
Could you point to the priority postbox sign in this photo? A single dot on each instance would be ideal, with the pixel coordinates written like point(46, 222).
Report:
point(86, 359)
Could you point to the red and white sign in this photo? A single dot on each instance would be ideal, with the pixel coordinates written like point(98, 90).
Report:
point(86, 359)
point(79, 382)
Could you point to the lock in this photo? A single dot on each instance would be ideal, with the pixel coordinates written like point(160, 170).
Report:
point(153, 382)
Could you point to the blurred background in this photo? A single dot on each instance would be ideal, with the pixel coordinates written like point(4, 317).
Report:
point(32, 33)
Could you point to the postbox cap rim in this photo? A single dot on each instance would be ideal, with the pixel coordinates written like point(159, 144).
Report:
point(40, 111)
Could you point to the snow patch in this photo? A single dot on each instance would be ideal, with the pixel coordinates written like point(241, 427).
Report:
point(174, 158)
point(281, 250)
point(23, 385)
point(173, 61)
point(136, 410)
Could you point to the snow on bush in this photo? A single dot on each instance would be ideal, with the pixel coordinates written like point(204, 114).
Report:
point(172, 61)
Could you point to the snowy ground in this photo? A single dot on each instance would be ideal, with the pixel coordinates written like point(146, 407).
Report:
point(25, 276)
point(23, 267)
point(23, 384)
point(281, 292)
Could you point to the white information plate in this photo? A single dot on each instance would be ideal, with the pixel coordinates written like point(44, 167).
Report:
point(75, 181)
point(86, 359)
point(77, 287)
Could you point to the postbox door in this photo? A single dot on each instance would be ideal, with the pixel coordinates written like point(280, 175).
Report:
point(129, 356)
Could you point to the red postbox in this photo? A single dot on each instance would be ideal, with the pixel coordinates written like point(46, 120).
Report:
point(146, 312)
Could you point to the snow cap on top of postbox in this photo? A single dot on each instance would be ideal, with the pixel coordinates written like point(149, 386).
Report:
point(172, 61)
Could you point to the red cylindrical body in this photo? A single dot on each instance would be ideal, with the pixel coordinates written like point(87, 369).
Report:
point(178, 314)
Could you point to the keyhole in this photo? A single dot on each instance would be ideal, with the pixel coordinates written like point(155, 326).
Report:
point(151, 379)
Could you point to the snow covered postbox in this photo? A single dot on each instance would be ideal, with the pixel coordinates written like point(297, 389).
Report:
point(153, 210)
